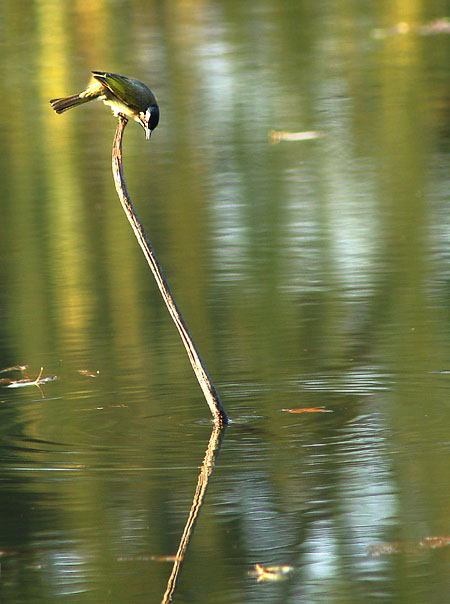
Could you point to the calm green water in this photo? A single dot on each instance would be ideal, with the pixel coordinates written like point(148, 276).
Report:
point(311, 273)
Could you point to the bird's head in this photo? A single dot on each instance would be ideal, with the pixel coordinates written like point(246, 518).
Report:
point(149, 120)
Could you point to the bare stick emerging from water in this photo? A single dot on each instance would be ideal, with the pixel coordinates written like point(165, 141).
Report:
point(211, 396)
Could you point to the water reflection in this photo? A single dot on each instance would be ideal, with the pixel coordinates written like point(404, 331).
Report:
point(208, 464)
point(312, 274)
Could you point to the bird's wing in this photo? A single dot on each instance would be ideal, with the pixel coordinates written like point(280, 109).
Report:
point(118, 85)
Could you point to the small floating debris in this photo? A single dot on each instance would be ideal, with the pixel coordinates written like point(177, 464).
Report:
point(102, 408)
point(408, 547)
point(394, 547)
point(271, 573)
point(146, 558)
point(21, 368)
point(89, 373)
point(308, 410)
point(432, 28)
point(395, 30)
point(26, 381)
point(432, 542)
point(437, 26)
point(29, 382)
point(275, 136)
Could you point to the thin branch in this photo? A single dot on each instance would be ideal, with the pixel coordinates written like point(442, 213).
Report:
point(209, 391)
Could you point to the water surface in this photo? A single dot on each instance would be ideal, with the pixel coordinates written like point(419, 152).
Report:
point(312, 274)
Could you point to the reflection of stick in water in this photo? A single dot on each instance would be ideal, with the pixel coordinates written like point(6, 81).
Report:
point(214, 444)
point(209, 392)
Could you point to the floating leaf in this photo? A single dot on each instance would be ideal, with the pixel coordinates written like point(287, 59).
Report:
point(308, 410)
point(271, 573)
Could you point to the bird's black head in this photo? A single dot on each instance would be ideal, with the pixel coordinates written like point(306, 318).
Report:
point(154, 117)
point(149, 120)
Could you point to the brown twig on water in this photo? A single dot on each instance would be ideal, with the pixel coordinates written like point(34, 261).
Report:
point(208, 389)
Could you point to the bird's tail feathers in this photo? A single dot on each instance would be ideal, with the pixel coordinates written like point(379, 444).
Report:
point(60, 105)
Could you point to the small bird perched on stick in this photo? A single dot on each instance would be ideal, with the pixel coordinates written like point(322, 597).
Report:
point(126, 96)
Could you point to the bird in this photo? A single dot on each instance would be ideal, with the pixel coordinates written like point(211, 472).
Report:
point(126, 96)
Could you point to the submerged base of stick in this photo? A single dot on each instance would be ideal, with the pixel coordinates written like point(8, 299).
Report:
point(209, 392)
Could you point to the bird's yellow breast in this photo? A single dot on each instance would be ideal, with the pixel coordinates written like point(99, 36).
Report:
point(118, 107)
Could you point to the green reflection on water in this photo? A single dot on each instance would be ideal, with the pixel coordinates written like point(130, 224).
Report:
point(310, 274)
